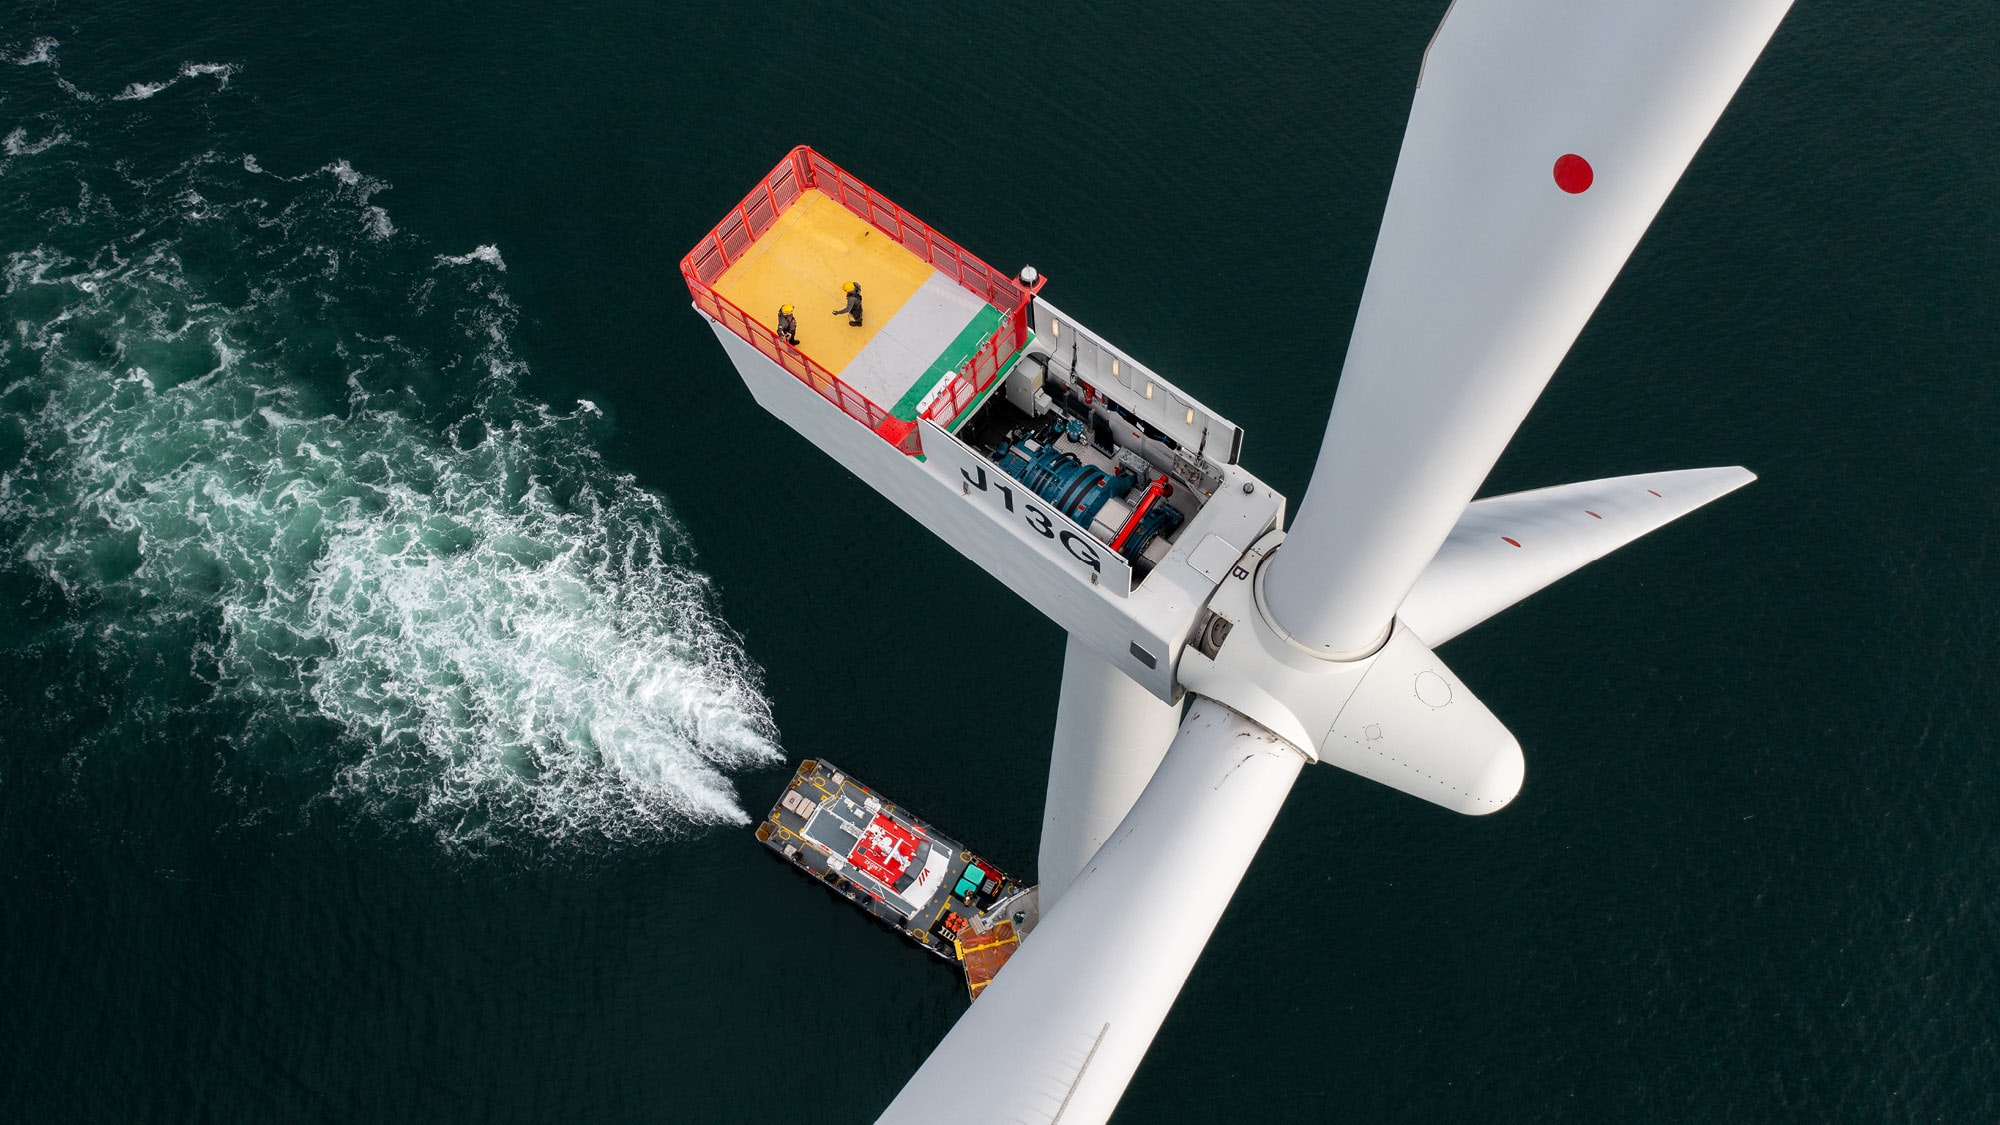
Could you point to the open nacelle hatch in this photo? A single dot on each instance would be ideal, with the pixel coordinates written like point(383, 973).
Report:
point(1103, 440)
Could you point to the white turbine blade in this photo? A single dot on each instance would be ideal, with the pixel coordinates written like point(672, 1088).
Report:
point(1488, 264)
point(1507, 547)
point(1110, 736)
point(1064, 1025)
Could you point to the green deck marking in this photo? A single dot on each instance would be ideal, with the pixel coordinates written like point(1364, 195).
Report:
point(975, 332)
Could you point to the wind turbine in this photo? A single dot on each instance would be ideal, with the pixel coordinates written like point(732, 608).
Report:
point(1544, 137)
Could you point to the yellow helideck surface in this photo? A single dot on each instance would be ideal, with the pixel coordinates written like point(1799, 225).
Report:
point(804, 258)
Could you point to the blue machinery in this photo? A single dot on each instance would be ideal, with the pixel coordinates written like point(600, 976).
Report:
point(1080, 491)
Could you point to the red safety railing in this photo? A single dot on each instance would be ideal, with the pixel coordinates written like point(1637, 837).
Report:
point(976, 374)
point(895, 431)
point(804, 169)
point(990, 285)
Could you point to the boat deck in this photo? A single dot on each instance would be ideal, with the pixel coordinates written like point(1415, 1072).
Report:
point(900, 871)
point(919, 325)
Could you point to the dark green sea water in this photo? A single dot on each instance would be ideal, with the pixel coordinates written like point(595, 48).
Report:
point(402, 601)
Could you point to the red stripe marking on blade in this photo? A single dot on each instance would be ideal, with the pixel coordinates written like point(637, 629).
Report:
point(1510, 539)
point(1654, 493)
point(1591, 514)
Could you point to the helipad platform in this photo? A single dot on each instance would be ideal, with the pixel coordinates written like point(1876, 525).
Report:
point(940, 327)
point(919, 325)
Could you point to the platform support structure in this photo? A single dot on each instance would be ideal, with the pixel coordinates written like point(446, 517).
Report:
point(1110, 736)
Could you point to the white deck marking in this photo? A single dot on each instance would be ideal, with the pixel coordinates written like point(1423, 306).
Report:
point(906, 346)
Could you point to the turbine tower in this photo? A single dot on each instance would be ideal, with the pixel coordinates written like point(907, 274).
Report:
point(1213, 651)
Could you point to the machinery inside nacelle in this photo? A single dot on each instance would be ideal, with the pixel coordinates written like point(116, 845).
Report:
point(1127, 483)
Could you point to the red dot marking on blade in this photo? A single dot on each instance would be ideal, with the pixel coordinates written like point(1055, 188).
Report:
point(1591, 514)
point(1510, 539)
point(1656, 494)
point(1573, 173)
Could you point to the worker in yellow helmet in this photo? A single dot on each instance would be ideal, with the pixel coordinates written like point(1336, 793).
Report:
point(853, 306)
point(788, 325)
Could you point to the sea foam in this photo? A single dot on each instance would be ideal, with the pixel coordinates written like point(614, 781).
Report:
point(490, 255)
point(385, 567)
point(140, 91)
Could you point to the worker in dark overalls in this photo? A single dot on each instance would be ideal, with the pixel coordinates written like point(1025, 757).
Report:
point(853, 306)
point(788, 325)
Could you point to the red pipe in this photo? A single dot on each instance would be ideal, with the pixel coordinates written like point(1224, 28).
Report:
point(1153, 493)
